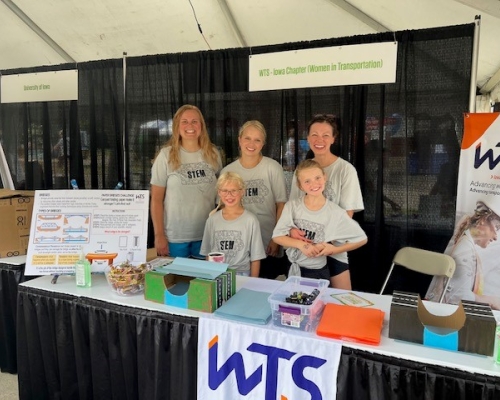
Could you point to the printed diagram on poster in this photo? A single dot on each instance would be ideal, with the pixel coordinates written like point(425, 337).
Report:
point(108, 226)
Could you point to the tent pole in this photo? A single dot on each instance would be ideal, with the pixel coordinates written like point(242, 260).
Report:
point(124, 133)
point(473, 75)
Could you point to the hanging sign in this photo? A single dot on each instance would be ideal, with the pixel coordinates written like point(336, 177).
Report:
point(328, 66)
point(41, 86)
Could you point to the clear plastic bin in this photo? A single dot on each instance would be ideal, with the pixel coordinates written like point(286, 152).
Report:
point(298, 316)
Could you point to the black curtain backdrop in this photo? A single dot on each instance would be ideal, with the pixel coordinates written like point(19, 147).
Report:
point(403, 138)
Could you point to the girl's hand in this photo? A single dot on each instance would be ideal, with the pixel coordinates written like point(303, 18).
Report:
point(328, 249)
point(298, 234)
point(272, 249)
point(310, 249)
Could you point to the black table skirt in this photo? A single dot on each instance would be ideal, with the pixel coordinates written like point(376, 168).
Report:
point(79, 348)
point(10, 277)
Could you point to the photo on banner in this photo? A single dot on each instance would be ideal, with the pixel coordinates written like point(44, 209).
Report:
point(474, 245)
point(239, 361)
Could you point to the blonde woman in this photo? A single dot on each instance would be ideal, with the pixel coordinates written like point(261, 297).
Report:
point(232, 230)
point(265, 193)
point(183, 185)
point(476, 230)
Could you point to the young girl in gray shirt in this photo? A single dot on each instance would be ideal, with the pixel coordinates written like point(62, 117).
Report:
point(327, 225)
point(232, 230)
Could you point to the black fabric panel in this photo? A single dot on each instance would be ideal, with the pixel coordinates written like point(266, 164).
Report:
point(10, 277)
point(368, 376)
point(79, 348)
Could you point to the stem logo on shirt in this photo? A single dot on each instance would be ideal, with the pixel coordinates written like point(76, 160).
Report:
point(196, 173)
point(255, 191)
point(230, 243)
point(313, 230)
point(329, 193)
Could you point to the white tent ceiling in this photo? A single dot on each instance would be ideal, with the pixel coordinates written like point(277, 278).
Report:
point(49, 32)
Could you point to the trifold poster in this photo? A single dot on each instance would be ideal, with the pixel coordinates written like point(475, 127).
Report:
point(474, 244)
point(106, 226)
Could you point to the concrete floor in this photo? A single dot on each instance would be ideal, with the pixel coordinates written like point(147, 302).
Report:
point(8, 385)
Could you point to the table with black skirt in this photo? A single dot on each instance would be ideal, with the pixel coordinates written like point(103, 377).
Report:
point(11, 274)
point(89, 343)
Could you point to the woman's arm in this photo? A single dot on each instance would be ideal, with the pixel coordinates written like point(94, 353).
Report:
point(157, 211)
point(272, 247)
point(254, 268)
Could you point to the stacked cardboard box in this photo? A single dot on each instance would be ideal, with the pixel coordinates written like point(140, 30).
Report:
point(187, 291)
point(470, 328)
point(16, 208)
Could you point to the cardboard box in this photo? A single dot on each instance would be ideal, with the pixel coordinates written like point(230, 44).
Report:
point(188, 292)
point(470, 328)
point(16, 208)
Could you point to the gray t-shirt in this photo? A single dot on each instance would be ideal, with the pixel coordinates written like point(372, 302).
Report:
point(265, 186)
point(239, 239)
point(330, 223)
point(341, 187)
point(191, 192)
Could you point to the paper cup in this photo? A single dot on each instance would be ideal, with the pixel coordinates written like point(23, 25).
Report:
point(216, 257)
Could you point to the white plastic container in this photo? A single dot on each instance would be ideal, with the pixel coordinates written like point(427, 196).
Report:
point(298, 316)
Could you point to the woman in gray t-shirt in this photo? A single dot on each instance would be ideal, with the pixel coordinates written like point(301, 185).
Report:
point(183, 185)
point(265, 192)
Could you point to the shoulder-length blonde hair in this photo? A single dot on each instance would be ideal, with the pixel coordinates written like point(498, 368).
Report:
point(208, 150)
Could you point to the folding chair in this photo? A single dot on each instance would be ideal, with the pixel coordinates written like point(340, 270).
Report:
point(425, 262)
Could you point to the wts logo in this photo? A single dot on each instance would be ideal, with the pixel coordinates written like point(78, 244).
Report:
point(246, 384)
point(488, 155)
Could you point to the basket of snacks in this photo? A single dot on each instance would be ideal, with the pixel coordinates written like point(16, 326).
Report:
point(127, 279)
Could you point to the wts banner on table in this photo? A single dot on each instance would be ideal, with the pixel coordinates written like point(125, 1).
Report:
point(474, 244)
point(237, 361)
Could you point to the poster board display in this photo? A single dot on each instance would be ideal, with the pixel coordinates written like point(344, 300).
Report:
point(108, 226)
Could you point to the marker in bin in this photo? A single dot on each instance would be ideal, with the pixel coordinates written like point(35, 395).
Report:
point(118, 186)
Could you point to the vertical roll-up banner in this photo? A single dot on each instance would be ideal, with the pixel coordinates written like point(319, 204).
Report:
point(475, 245)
